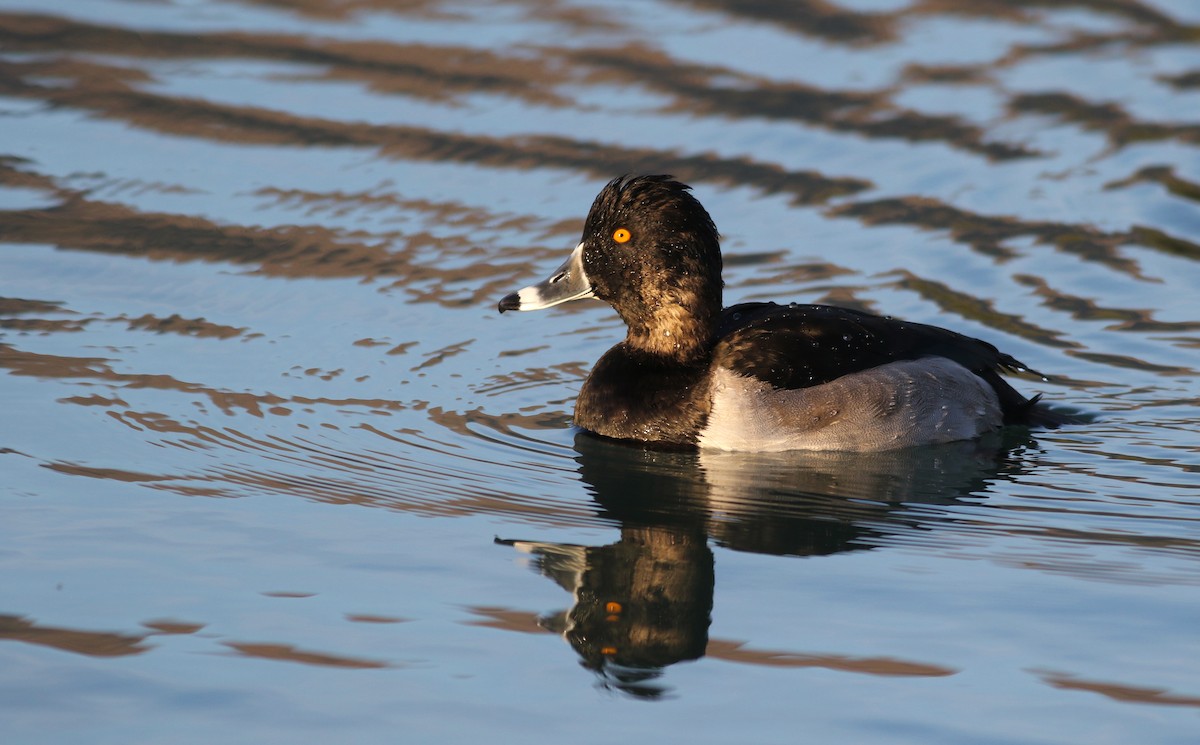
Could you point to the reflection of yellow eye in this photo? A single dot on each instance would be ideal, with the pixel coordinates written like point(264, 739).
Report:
point(622, 235)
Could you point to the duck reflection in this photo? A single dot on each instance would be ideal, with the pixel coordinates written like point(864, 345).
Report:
point(640, 604)
point(645, 602)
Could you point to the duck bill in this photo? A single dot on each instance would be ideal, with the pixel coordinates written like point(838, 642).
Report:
point(568, 282)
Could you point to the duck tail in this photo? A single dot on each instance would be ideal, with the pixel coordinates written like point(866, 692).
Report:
point(1037, 414)
point(1031, 412)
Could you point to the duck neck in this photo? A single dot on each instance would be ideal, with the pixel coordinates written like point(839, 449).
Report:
point(673, 332)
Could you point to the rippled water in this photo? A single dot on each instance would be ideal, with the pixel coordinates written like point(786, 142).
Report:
point(272, 468)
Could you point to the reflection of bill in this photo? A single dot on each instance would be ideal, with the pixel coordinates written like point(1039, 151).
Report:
point(645, 602)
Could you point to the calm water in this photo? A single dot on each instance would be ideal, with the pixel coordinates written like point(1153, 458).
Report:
point(273, 470)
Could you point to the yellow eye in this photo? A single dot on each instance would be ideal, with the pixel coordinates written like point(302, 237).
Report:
point(622, 235)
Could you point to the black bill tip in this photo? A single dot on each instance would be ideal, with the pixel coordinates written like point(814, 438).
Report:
point(510, 302)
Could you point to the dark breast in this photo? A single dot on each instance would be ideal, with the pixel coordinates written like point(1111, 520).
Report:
point(632, 395)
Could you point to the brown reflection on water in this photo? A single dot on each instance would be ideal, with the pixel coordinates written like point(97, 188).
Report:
point(372, 618)
point(1120, 691)
point(1129, 362)
point(13, 310)
point(255, 125)
point(971, 307)
point(1139, 320)
point(98, 369)
point(1150, 25)
point(289, 653)
point(1165, 176)
point(18, 172)
point(506, 619)
point(988, 234)
point(415, 69)
point(886, 666)
point(295, 251)
point(405, 470)
point(810, 17)
point(91, 643)
point(113, 474)
point(438, 72)
point(576, 19)
point(172, 626)
point(542, 76)
point(1119, 126)
point(175, 324)
point(696, 91)
point(824, 20)
point(870, 114)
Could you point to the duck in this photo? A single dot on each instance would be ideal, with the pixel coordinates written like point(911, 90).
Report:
point(757, 376)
